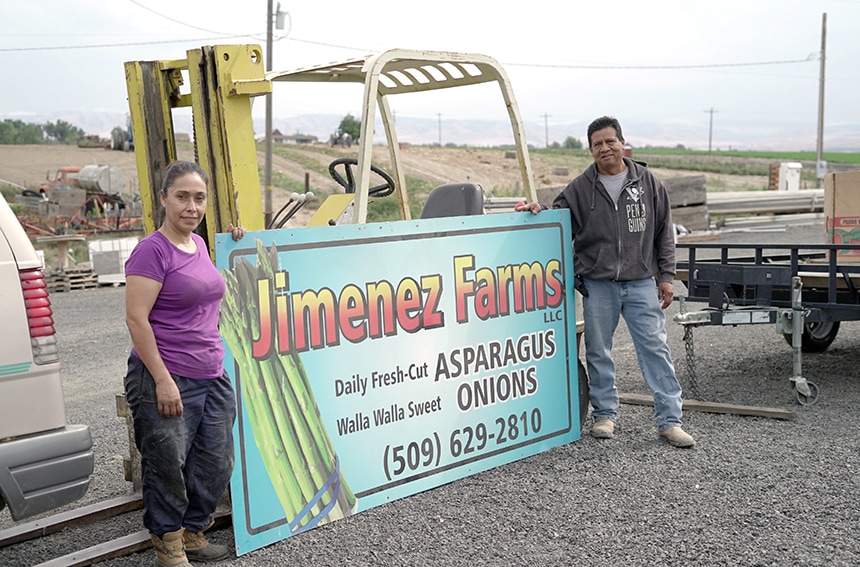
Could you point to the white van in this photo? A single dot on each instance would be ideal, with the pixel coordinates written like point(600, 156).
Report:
point(44, 463)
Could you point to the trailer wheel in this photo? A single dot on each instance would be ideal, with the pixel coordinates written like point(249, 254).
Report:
point(807, 399)
point(816, 336)
point(583, 392)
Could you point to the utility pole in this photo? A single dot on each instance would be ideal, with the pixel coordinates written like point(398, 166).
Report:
point(440, 129)
point(820, 165)
point(267, 201)
point(546, 128)
point(710, 129)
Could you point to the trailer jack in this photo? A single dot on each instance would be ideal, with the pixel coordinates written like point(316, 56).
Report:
point(791, 321)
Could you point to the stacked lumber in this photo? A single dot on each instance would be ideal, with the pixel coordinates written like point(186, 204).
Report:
point(689, 199)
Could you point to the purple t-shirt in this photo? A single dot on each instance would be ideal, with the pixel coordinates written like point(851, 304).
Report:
point(184, 317)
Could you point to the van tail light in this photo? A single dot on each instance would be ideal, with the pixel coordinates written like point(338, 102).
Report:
point(40, 317)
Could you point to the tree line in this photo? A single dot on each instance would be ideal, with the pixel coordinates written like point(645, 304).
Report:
point(20, 132)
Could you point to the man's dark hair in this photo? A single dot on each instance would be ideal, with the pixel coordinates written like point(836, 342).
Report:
point(605, 122)
point(179, 168)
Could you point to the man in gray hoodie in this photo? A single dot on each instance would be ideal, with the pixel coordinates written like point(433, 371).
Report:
point(624, 261)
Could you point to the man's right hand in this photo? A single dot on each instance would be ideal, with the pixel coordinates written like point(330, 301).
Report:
point(535, 208)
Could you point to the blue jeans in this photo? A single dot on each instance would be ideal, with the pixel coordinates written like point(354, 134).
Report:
point(186, 461)
point(637, 302)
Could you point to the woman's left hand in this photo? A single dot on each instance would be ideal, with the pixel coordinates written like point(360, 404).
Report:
point(237, 231)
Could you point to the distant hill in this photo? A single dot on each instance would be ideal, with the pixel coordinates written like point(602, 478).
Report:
point(486, 133)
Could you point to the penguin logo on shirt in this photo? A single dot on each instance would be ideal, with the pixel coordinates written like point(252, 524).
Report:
point(634, 192)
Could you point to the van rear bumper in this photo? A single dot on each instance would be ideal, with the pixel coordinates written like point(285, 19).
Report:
point(44, 471)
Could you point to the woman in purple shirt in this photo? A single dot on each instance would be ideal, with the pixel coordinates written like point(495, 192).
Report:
point(179, 393)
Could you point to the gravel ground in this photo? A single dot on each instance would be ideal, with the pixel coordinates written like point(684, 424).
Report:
point(754, 491)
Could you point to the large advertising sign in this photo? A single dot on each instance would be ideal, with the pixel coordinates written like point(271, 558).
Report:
point(376, 361)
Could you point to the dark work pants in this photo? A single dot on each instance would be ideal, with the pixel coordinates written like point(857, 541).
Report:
point(186, 461)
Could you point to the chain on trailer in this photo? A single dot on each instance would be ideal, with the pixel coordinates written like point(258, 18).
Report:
point(690, 355)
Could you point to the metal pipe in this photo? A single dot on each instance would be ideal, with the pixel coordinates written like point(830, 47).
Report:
point(267, 195)
point(820, 166)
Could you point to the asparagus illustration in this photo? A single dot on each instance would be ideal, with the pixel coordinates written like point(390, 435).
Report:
point(295, 447)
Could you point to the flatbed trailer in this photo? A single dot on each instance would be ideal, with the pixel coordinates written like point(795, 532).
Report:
point(806, 290)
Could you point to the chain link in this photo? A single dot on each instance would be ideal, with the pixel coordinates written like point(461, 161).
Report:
point(689, 348)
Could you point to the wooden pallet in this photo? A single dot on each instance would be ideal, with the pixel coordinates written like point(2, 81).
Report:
point(71, 280)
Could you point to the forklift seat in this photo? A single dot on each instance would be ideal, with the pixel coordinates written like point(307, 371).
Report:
point(453, 200)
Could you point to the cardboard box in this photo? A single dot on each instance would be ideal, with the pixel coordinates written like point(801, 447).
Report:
point(842, 212)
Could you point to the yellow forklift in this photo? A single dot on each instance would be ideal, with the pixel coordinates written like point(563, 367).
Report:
point(222, 80)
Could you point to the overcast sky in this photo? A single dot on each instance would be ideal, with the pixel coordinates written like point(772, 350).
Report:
point(755, 63)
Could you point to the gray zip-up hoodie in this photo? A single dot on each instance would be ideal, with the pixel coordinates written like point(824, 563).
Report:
point(632, 240)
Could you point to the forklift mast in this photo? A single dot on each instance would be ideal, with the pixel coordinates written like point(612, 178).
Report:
point(222, 81)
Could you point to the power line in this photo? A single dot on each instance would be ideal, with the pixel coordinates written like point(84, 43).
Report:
point(124, 44)
point(692, 66)
point(813, 57)
point(174, 20)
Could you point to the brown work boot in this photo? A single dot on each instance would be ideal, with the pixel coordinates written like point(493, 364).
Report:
point(198, 548)
point(169, 550)
point(677, 437)
point(603, 429)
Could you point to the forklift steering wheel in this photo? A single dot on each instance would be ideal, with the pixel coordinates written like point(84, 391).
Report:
point(348, 183)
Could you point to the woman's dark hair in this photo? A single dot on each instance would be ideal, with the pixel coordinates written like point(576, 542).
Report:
point(179, 168)
point(605, 122)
